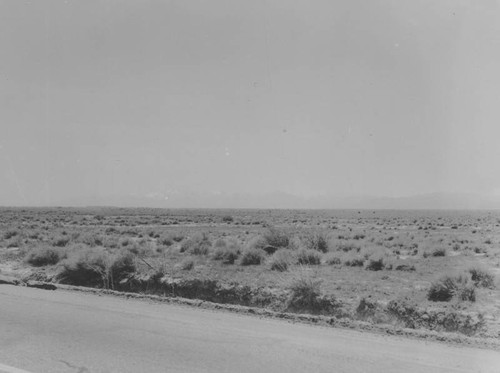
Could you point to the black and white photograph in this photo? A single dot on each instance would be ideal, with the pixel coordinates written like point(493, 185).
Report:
point(249, 186)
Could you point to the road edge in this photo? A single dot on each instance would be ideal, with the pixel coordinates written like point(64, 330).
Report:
point(319, 320)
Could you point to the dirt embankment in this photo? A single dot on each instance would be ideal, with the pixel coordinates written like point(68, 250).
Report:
point(398, 318)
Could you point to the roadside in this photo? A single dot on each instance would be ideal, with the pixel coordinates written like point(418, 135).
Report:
point(321, 320)
point(68, 331)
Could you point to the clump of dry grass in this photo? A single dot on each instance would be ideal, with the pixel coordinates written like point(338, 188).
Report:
point(199, 244)
point(482, 278)
point(252, 256)
point(276, 237)
point(187, 264)
point(281, 260)
point(375, 264)
point(305, 290)
point(226, 250)
point(94, 266)
point(43, 256)
point(449, 286)
point(308, 257)
point(332, 259)
point(317, 240)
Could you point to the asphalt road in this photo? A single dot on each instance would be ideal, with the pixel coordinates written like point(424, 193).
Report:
point(63, 331)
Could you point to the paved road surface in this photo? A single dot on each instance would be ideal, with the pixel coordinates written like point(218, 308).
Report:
point(62, 331)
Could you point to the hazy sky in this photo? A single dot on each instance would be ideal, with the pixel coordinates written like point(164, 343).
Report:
point(153, 98)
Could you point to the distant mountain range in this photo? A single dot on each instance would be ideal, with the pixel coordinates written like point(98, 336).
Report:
point(280, 200)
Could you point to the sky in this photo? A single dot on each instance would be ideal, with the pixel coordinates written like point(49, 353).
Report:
point(109, 101)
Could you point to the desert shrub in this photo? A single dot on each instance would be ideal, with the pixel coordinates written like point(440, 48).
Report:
point(227, 219)
point(199, 244)
point(141, 248)
point(90, 239)
point(405, 267)
point(308, 257)
point(43, 256)
point(256, 242)
point(16, 241)
point(227, 255)
point(251, 256)
point(220, 243)
point(122, 264)
point(281, 260)
point(370, 310)
point(482, 278)
point(178, 237)
point(84, 268)
point(124, 242)
point(304, 292)
point(96, 267)
point(270, 250)
point(187, 264)
point(332, 259)
point(354, 261)
point(439, 252)
point(10, 233)
point(480, 250)
point(201, 249)
point(347, 246)
point(375, 264)
point(153, 234)
point(110, 241)
point(166, 240)
point(305, 295)
point(317, 241)
point(60, 241)
point(277, 238)
point(447, 287)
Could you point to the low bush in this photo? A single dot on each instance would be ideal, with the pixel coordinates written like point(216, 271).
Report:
point(354, 261)
point(482, 278)
point(308, 257)
point(10, 233)
point(177, 237)
point(439, 252)
point(43, 256)
point(226, 254)
point(199, 244)
point(281, 260)
point(348, 246)
point(405, 267)
point(277, 238)
point(332, 259)
point(111, 242)
point(304, 292)
point(447, 287)
point(317, 241)
point(166, 240)
point(96, 267)
point(90, 239)
point(375, 264)
point(220, 243)
point(305, 295)
point(60, 241)
point(252, 256)
point(187, 264)
point(256, 242)
point(124, 242)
